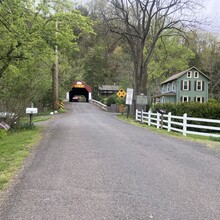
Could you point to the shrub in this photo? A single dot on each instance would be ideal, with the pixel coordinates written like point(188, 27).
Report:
point(120, 101)
point(110, 100)
point(193, 109)
point(214, 139)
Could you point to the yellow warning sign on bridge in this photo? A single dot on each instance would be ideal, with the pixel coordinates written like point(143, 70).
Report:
point(121, 93)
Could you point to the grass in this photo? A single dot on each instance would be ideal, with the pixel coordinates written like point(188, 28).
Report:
point(14, 148)
point(211, 142)
point(16, 145)
point(36, 118)
point(42, 116)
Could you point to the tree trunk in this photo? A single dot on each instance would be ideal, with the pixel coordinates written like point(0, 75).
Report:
point(144, 79)
point(137, 55)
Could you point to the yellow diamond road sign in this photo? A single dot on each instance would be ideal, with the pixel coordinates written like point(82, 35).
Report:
point(121, 93)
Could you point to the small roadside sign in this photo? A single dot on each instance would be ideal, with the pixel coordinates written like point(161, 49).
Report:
point(142, 100)
point(31, 110)
point(129, 96)
point(121, 93)
point(121, 108)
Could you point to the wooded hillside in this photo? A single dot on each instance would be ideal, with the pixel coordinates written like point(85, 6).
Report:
point(135, 44)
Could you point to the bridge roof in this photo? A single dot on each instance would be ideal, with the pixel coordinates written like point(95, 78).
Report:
point(80, 84)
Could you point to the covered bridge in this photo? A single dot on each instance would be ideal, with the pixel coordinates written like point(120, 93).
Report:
point(80, 89)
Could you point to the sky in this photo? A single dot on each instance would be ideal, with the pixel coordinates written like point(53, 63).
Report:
point(212, 11)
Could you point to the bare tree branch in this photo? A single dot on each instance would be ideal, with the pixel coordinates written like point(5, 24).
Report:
point(143, 22)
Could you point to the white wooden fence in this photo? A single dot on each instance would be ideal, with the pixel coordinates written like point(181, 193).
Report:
point(183, 124)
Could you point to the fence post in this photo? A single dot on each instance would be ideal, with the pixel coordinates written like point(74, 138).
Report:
point(184, 124)
point(142, 114)
point(169, 122)
point(136, 115)
point(149, 117)
point(158, 120)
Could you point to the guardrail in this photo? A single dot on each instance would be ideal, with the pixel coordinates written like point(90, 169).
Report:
point(182, 124)
point(99, 104)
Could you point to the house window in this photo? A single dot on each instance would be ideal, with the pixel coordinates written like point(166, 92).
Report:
point(199, 99)
point(189, 74)
point(173, 86)
point(199, 85)
point(196, 74)
point(185, 85)
point(168, 87)
point(163, 89)
point(185, 99)
point(162, 99)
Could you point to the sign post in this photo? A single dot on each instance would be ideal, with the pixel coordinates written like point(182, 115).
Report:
point(129, 98)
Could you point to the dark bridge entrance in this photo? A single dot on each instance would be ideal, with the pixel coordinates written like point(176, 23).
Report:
point(80, 89)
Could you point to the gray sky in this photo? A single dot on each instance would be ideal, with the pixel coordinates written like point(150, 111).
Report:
point(213, 12)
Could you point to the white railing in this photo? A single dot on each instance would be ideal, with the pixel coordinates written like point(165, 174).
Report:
point(182, 124)
point(99, 104)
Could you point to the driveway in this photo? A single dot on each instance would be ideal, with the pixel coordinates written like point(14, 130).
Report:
point(91, 166)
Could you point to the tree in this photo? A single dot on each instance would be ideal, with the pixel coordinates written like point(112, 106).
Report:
point(207, 49)
point(143, 23)
point(171, 55)
point(96, 68)
point(28, 38)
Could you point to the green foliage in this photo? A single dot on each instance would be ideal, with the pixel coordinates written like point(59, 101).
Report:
point(114, 99)
point(213, 101)
point(111, 100)
point(96, 72)
point(120, 101)
point(193, 109)
point(121, 66)
point(217, 139)
point(28, 38)
point(170, 56)
point(206, 46)
point(24, 126)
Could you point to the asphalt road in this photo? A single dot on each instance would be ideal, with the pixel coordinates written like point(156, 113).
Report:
point(92, 166)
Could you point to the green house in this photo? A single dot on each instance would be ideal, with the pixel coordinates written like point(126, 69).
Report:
point(190, 85)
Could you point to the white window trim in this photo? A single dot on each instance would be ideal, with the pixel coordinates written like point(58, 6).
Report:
point(197, 97)
point(187, 85)
point(187, 98)
point(162, 99)
point(197, 74)
point(189, 76)
point(173, 86)
point(197, 82)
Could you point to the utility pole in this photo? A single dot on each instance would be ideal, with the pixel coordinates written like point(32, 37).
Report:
point(53, 87)
point(55, 74)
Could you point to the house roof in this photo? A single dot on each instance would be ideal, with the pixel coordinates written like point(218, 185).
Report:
point(178, 75)
point(109, 87)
